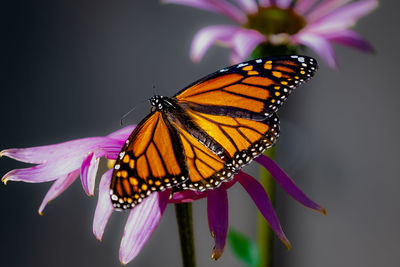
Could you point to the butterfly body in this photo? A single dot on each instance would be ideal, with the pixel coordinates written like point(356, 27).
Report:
point(203, 135)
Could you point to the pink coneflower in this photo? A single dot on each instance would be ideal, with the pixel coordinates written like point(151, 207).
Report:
point(62, 163)
point(312, 23)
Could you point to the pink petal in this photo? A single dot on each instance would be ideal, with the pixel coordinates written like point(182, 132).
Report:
point(112, 151)
point(122, 134)
point(351, 39)
point(264, 3)
point(217, 210)
point(249, 6)
point(191, 195)
point(70, 149)
point(200, 4)
point(187, 196)
point(234, 58)
point(303, 6)
point(323, 8)
point(57, 188)
point(43, 173)
point(245, 41)
point(284, 4)
point(208, 36)
point(141, 223)
point(343, 17)
point(229, 10)
point(320, 45)
point(104, 207)
point(287, 184)
point(217, 6)
point(88, 173)
point(264, 205)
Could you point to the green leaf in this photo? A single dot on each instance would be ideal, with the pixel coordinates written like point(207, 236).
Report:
point(245, 249)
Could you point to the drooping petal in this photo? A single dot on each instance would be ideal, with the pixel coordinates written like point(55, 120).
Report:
point(249, 6)
point(350, 38)
point(104, 207)
point(342, 18)
point(264, 205)
point(323, 8)
point(217, 211)
point(320, 45)
point(303, 6)
point(217, 6)
point(57, 188)
point(123, 133)
point(88, 173)
point(264, 3)
point(244, 42)
point(191, 195)
point(208, 36)
point(141, 223)
point(287, 184)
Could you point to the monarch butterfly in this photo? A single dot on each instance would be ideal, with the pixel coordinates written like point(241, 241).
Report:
point(207, 132)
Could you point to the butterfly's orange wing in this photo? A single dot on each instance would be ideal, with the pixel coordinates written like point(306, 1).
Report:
point(236, 108)
point(151, 160)
point(243, 139)
point(252, 90)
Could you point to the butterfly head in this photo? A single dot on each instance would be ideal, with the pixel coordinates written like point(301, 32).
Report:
point(160, 102)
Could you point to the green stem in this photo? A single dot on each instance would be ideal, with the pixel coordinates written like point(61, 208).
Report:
point(265, 234)
point(184, 219)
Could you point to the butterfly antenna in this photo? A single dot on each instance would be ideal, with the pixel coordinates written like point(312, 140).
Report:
point(154, 89)
point(129, 112)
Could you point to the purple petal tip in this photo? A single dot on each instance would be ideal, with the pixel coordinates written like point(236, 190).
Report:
point(286, 242)
point(216, 254)
point(5, 179)
point(322, 211)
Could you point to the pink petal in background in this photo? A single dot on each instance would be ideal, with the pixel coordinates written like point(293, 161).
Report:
point(324, 7)
point(249, 6)
point(208, 36)
point(350, 38)
point(320, 45)
point(245, 41)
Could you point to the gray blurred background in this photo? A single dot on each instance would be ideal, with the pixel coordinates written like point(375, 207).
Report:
point(71, 69)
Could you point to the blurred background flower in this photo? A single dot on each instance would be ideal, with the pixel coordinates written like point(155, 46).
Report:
point(268, 24)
